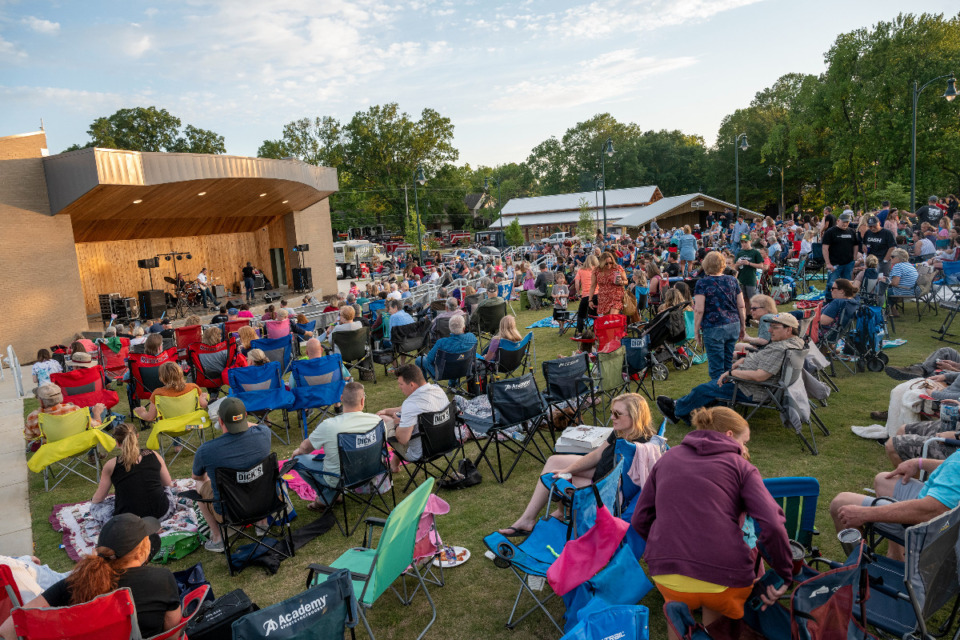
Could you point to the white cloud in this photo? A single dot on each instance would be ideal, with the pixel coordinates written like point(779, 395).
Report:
point(138, 45)
point(604, 78)
point(42, 26)
point(151, 12)
point(9, 52)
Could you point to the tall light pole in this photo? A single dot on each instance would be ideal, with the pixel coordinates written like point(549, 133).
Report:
point(606, 149)
point(949, 94)
point(486, 185)
point(770, 175)
point(737, 147)
point(418, 178)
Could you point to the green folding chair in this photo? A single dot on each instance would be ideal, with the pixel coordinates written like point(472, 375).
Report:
point(375, 569)
point(798, 498)
point(608, 383)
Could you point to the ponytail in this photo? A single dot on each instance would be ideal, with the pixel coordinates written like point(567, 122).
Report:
point(128, 438)
point(721, 420)
point(93, 576)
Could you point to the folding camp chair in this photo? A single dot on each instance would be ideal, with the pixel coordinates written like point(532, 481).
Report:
point(407, 340)
point(453, 369)
point(505, 291)
point(797, 498)
point(355, 350)
point(641, 365)
point(278, 350)
point(178, 418)
point(530, 559)
point(318, 385)
point(517, 405)
point(111, 616)
point(488, 320)
point(186, 336)
point(209, 363)
point(10, 597)
point(949, 298)
point(308, 326)
point(609, 328)
point(512, 357)
point(277, 329)
point(145, 375)
point(67, 439)
point(437, 431)
point(262, 390)
point(374, 569)
point(567, 389)
point(831, 337)
point(322, 612)
point(114, 364)
point(247, 497)
point(191, 605)
point(85, 387)
point(923, 294)
point(608, 383)
point(363, 465)
point(231, 327)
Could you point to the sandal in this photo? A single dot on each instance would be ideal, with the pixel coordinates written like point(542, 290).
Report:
point(514, 532)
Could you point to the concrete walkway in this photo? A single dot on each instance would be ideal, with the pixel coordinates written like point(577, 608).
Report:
point(16, 537)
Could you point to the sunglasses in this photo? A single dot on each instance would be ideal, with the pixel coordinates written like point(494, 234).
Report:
point(755, 308)
point(617, 414)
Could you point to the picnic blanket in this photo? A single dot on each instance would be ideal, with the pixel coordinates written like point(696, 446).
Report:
point(890, 344)
point(297, 484)
point(546, 323)
point(81, 527)
point(813, 294)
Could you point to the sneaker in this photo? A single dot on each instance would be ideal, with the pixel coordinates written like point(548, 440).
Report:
point(214, 547)
point(878, 415)
point(906, 373)
point(667, 407)
point(261, 531)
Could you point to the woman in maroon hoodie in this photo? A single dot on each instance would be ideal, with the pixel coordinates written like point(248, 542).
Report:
point(691, 512)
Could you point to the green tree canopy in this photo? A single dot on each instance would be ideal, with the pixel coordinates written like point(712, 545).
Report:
point(150, 129)
point(514, 234)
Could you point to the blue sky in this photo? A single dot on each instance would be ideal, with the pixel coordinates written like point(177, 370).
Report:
point(508, 74)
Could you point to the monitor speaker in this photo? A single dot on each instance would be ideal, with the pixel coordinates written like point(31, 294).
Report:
point(303, 279)
point(149, 263)
point(153, 302)
point(219, 291)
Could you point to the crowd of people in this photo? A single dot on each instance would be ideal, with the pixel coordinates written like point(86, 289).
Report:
point(694, 496)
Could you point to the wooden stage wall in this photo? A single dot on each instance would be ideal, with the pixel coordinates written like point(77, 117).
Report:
point(111, 267)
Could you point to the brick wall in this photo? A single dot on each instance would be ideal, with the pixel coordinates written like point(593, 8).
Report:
point(312, 226)
point(39, 276)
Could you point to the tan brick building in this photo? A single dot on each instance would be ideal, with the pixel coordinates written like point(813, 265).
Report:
point(74, 225)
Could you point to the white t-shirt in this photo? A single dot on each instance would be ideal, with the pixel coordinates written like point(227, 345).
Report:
point(202, 278)
point(394, 295)
point(325, 437)
point(426, 398)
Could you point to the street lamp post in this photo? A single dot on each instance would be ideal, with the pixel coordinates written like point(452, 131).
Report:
point(486, 185)
point(770, 175)
point(606, 149)
point(949, 94)
point(737, 147)
point(418, 178)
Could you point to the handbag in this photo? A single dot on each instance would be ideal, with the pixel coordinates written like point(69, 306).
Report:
point(630, 307)
point(213, 620)
point(193, 578)
point(175, 546)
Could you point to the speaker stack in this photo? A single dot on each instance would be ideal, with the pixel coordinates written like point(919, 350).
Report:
point(303, 279)
point(153, 302)
point(149, 263)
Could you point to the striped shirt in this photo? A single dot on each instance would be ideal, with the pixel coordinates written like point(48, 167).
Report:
point(908, 279)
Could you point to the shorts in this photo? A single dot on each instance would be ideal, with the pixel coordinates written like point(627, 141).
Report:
point(910, 445)
point(901, 492)
point(206, 492)
point(728, 603)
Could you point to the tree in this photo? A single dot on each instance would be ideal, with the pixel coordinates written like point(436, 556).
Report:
point(410, 235)
point(585, 225)
point(514, 234)
point(150, 129)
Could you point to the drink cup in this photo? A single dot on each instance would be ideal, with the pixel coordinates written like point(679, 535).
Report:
point(798, 552)
point(849, 540)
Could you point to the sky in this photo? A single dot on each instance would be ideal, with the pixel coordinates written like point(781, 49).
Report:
point(508, 74)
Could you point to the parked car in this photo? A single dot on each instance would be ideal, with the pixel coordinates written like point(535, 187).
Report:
point(560, 237)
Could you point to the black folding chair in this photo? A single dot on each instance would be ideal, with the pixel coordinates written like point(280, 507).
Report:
point(488, 320)
point(407, 340)
point(354, 347)
point(437, 431)
point(567, 389)
point(453, 369)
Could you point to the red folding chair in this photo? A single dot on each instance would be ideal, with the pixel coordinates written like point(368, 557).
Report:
point(108, 617)
point(85, 387)
point(10, 597)
point(145, 374)
point(210, 363)
point(609, 328)
point(233, 326)
point(187, 335)
point(114, 364)
point(191, 604)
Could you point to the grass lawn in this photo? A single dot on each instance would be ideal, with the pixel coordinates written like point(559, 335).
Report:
point(478, 596)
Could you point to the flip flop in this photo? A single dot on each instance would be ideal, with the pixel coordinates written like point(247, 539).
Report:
point(515, 532)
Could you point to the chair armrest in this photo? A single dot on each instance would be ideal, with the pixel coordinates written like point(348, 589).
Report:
point(376, 522)
point(193, 494)
point(315, 569)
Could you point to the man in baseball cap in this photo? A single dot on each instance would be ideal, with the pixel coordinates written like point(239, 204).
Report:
point(841, 247)
point(242, 446)
point(51, 401)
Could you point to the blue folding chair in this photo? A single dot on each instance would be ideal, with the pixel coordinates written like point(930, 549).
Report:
point(454, 368)
point(278, 350)
point(309, 326)
point(512, 356)
point(318, 385)
point(798, 498)
point(951, 284)
point(261, 390)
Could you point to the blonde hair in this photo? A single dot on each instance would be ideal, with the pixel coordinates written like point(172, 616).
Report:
point(721, 420)
point(348, 312)
point(257, 357)
point(636, 407)
point(901, 255)
point(508, 329)
point(766, 302)
point(592, 262)
point(171, 375)
point(673, 297)
point(211, 336)
point(247, 335)
point(687, 229)
point(713, 263)
point(128, 438)
point(872, 262)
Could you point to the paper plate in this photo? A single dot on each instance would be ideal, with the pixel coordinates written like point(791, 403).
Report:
point(462, 554)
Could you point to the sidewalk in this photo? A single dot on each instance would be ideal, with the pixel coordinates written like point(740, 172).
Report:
point(16, 537)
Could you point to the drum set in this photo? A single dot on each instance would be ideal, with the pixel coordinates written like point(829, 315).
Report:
point(185, 295)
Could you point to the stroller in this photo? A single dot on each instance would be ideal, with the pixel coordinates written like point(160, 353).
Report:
point(664, 332)
point(864, 341)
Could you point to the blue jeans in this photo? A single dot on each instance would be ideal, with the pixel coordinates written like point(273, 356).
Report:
point(719, 342)
point(207, 292)
point(427, 367)
point(248, 284)
point(307, 462)
point(844, 271)
point(702, 395)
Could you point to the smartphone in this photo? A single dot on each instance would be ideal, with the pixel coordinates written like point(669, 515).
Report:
point(768, 579)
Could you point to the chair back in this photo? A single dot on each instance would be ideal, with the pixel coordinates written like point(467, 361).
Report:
point(636, 353)
point(689, 324)
point(233, 326)
point(410, 337)
point(318, 382)
point(176, 406)
point(454, 365)
point(441, 329)
point(266, 377)
point(438, 306)
point(471, 301)
point(363, 456)
point(797, 498)
point(584, 503)
point(352, 344)
point(209, 363)
point(438, 431)
point(278, 350)
point(85, 387)
point(611, 368)
point(489, 317)
point(114, 364)
point(793, 361)
point(111, 616)
point(249, 495)
point(951, 272)
point(609, 328)
point(566, 378)
point(515, 400)
point(9, 592)
point(505, 291)
point(145, 372)
point(309, 326)
point(277, 328)
point(512, 355)
point(191, 605)
point(187, 335)
point(395, 548)
point(323, 611)
point(930, 566)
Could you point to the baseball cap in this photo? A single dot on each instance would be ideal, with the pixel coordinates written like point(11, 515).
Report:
point(872, 220)
point(124, 532)
point(744, 238)
point(786, 320)
point(233, 415)
point(49, 393)
point(846, 216)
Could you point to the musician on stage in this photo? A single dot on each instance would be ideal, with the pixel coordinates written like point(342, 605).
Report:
point(249, 274)
point(206, 288)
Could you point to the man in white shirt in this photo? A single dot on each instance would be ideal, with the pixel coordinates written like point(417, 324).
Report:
point(352, 420)
point(401, 421)
point(205, 290)
point(394, 292)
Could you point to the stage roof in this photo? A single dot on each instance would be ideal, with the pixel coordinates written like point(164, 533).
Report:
point(113, 194)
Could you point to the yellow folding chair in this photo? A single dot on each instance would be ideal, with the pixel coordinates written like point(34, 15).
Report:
point(178, 418)
point(67, 438)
